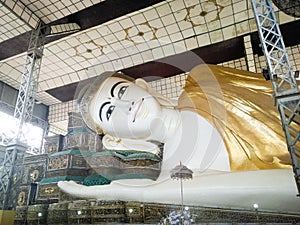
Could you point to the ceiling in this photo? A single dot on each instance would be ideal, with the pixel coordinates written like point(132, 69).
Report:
point(133, 36)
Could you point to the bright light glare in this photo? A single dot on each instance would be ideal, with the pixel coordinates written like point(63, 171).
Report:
point(7, 125)
point(32, 134)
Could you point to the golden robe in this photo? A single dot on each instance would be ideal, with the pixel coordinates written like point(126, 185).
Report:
point(239, 104)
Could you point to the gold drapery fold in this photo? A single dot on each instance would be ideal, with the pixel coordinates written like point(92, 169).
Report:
point(240, 105)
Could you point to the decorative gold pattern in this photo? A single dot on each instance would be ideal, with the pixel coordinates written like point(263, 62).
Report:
point(203, 13)
point(21, 198)
point(51, 148)
point(111, 212)
point(34, 175)
point(49, 190)
point(58, 162)
point(15, 179)
point(140, 33)
point(88, 50)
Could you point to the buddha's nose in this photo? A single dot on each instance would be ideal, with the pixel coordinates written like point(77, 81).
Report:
point(123, 104)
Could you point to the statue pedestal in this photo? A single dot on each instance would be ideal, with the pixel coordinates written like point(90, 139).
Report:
point(7, 217)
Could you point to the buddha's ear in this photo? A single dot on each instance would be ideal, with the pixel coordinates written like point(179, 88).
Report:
point(164, 101)
point(142, 83)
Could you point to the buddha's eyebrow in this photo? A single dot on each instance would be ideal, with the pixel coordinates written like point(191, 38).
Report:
point(114, 86)
point(100, 110)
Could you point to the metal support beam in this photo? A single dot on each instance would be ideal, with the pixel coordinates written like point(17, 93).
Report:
point(29, 80)
point(25, 102)
point(14, 155)
point(286, 93)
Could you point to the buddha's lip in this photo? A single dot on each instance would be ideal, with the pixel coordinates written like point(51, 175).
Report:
point(136, 112)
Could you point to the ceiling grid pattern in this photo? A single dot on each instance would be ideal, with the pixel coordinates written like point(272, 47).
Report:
point(51, 10)
point(10, 24)
point(22, 12)
point(164, 29)
point(158, 31)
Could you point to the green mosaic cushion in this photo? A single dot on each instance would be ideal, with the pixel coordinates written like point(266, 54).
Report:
point(95, 179)
point(78, 179)
point(129, 155)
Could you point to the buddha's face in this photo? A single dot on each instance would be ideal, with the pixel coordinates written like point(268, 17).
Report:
point(124, 109)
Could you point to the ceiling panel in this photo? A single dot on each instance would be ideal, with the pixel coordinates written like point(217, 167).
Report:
point(99, 13)
point(158, 31)
point(51, 10)
point(10, 24)
point(148, 34)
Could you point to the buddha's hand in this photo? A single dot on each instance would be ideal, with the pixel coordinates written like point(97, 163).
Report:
point(72, 188)
point(103, 192)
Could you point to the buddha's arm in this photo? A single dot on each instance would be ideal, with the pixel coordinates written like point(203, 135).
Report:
point(126, 189)
point(114, 191)
point(216, 188)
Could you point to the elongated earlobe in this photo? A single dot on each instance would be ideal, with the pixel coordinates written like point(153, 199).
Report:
point(142, 83)
point(164, 101)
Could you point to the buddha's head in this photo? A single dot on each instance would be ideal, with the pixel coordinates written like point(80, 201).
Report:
point(118, 106)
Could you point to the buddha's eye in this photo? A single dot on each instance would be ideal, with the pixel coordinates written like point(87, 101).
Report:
point(122, 91)
point(109, 111)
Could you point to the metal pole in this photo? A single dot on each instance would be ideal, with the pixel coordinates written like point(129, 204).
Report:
point(29, 80)
point(25, 102)
point(181, 190)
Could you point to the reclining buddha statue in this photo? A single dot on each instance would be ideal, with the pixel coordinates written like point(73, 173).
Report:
point(223, 123)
